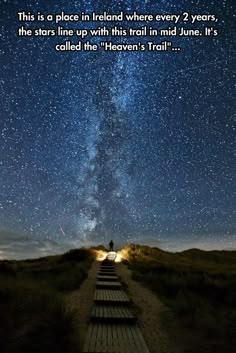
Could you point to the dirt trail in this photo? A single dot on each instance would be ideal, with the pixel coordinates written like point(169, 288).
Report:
point(81, 301)
point(149, 310)
point(149, 314)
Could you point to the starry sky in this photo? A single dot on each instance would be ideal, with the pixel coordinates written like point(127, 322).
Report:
point(129, 146)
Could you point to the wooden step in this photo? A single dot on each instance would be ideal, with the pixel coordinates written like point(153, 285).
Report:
point(105, 272)
point(110, 296)
point(107, 278)
point(112, 272)
point(111, 313)
point(118, 338)
point(107, 267)
point(108, 273)
point(108, 284)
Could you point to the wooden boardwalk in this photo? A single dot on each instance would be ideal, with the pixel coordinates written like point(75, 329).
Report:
point(109, 313)
point(108, 284)
point(105, 277)
point(115, 338)
point(110, 296)
point(113, 327)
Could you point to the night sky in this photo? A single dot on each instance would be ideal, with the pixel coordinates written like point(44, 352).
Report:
point(129, 146)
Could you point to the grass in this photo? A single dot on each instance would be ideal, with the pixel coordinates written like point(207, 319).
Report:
point(34, 317)
point(199, 287)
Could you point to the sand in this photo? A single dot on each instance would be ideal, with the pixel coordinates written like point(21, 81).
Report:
point(150, 312)
point(81, 301)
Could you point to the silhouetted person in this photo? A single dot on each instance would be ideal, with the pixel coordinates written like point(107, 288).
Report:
point(111, 244)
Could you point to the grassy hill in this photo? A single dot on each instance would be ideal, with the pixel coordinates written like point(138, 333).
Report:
point(199, 287)
point(34, 317)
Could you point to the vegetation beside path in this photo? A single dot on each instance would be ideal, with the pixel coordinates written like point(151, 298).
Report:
point(34, 317)
point(198, 286)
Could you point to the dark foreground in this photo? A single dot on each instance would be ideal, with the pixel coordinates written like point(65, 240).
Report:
point(34, 317)
point(200, 289)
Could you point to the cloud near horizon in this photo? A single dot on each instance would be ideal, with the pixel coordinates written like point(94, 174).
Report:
point(15, 246)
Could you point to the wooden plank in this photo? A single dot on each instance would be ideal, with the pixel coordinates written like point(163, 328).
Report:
point(122, 343)
point(96, 347)
point(109, 285)
point(110, 296)
point(113, 274)
point(139, 338)
point(95, 337)
point(106, 277)
point(104, 338)
point(111, 313)
point(105, 268)
point(106, 273)
point(119, 338)
point(126, 346)
point(110, 338)
point(133, 338)
point(115, 339)
point(132, 343)
point(101, 339)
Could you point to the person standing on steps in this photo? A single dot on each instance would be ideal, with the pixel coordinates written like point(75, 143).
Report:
point(111, 244)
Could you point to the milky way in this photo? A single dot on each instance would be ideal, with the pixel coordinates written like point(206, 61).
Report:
point(131, 146)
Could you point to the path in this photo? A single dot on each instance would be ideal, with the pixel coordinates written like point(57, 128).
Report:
point(113, 327)
point(149, 309)
point(150, 315)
